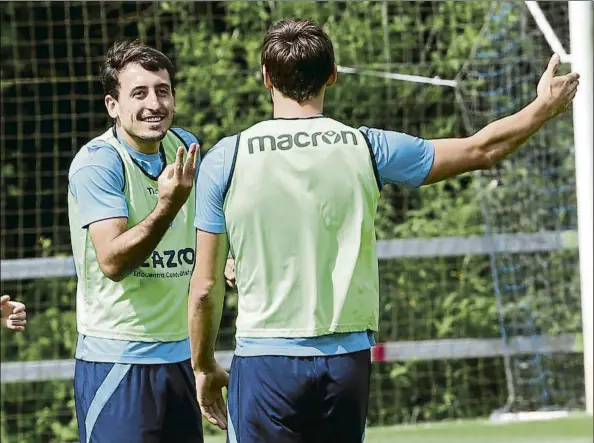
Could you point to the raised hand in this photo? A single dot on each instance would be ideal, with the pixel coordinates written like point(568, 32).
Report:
point(176, 180)
point(555, 93)
point(14, 315)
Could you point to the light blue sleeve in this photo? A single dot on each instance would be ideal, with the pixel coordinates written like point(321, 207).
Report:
point(96, 181)
point(211, 185)
point(401, 158)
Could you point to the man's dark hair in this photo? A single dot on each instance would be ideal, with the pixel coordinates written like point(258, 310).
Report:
point(299, 58)
point(124, 52)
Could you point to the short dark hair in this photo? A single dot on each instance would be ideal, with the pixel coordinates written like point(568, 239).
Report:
point(124, 52)
point(299, 58)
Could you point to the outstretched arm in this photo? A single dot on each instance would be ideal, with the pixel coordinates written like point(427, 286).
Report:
point(497, 140)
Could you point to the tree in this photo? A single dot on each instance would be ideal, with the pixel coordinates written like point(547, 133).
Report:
point(216, 48)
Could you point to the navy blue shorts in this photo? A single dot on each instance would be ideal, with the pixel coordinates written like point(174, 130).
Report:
point(274, 399)
point(133, 403)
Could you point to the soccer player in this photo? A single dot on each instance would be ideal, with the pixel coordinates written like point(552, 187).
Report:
point(131, 209)
point(13, 314)
point(295, 200)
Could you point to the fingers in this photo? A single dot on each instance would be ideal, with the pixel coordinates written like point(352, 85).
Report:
point(4, 299)
point(169, 171)
point(572, 87)
point(15, 328)
point(222, 411)
point(573, 91)
point(212, 412)
point(552, 67)
point(218, 411)
point(230, 277)
point(179, 161)
point(572, 77)
point(17, 322)
point(17, 307)
point(209, 390)
point(17, 317)
point(179, 168)
point(17, 325)
point(570, 99)
point(230, 272)
point(190, 165)
point(209, 415)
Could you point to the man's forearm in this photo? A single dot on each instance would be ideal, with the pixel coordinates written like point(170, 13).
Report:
point(454, 156)
point(131, 248)
point(204, 317)
point(502, 137)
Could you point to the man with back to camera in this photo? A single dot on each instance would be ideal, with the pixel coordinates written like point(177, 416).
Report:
point(295, 199)
point(131, 208)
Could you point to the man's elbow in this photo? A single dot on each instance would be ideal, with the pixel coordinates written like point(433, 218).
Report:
point(485, 161)
point(112, 271)
point(200, 291)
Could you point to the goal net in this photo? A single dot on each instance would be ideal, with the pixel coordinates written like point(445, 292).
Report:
point(479, 279)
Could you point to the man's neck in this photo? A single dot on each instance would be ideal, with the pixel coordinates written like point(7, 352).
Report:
point(287, 108)
point(138, 145)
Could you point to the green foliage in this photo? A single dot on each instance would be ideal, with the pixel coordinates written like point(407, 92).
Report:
point(216, 48)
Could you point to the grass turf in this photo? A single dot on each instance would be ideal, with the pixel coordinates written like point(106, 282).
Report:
point(574, 429)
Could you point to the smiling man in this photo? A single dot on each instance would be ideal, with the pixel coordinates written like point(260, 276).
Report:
point(131, 208)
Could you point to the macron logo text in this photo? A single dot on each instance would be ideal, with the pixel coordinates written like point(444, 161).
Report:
point(285, 142)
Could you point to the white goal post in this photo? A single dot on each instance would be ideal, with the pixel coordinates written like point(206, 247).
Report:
point(581, 35)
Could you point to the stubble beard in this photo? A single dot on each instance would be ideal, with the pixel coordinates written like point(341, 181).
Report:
point(152, 138)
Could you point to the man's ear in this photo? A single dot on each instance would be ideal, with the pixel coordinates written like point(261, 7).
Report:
point(112, 106)
point(266, 76)
point(333, 77)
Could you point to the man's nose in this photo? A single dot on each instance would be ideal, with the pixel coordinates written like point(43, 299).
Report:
point(152, 101)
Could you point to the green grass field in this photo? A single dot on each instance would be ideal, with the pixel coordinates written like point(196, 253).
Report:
point(575, 429)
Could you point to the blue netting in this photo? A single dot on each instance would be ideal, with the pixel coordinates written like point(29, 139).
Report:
point(535, 192)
